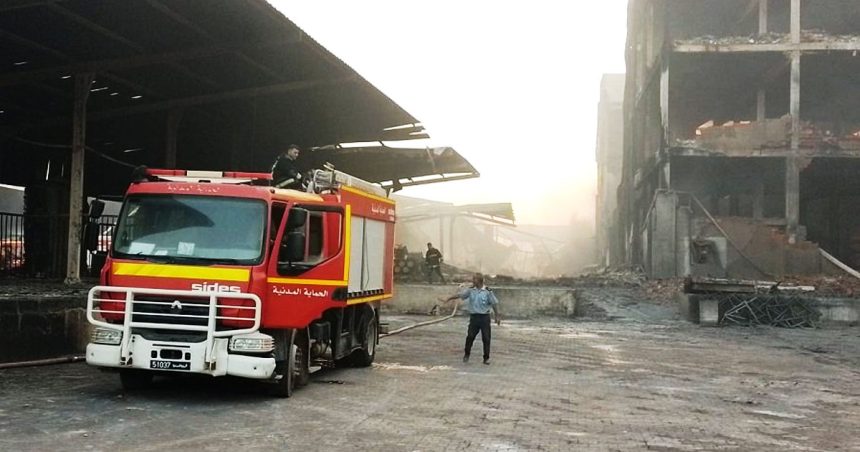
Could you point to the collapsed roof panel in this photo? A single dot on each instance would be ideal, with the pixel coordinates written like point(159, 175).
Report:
point(395, 167)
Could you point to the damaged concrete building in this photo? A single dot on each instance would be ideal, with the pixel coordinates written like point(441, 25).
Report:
point(609, 149)
point(741, 137)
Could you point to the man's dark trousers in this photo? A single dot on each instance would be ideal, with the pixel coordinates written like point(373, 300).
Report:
point(479, 322)
point(434, 269)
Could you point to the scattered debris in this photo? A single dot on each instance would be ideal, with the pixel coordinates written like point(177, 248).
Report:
point(774, 310)
point(723, 285)
point(767, 38)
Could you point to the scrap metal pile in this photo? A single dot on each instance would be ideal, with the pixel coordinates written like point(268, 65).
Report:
point(787, 311)
point(748, 303)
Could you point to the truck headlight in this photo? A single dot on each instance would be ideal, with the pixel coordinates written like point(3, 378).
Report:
point(106, 336)
point(252, 343)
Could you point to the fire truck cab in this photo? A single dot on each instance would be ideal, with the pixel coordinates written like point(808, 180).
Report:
point(214, 273)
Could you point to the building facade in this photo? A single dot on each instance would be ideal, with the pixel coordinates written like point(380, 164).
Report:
point(742, 137)
point(609, 149)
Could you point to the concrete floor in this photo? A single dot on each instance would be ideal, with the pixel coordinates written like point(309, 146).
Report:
point(634, 379)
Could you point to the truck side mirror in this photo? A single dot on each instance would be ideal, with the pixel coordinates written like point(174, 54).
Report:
point(97, 208)
point(91, 236)
point(294, 246)
point(297, 218)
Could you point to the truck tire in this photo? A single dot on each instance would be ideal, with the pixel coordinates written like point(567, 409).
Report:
point(302, 372)
point(284, 382)
point(364, 356)
point(133, 379)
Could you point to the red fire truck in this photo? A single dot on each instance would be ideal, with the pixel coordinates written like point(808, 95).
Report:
point(215, 273)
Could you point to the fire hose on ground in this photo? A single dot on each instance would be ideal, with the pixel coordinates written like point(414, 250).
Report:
point(76, 358)
point(42, 362)
point(416, 325)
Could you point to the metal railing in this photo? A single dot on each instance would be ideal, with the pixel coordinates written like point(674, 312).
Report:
point(43, 252)
point(11, 243)
point(128, 301)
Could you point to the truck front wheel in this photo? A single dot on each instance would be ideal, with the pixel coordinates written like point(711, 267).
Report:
point(285, 381)
point(291, 370)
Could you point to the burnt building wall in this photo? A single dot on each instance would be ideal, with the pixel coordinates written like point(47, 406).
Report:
point(610, 142)
point(746, 108)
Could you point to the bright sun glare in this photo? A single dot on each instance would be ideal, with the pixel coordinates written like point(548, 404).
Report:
point(513, 86)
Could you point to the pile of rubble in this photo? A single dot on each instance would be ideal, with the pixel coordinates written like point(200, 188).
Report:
point(17, 289)
point(663, 291)
point(767, 38)
point(829, 286)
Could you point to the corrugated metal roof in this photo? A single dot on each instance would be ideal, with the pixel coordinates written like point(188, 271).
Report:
point(238, 77)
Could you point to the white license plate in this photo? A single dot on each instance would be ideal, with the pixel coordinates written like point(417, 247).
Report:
point(169, 365)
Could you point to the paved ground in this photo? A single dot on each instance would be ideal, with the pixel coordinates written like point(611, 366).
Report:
point(635, 378)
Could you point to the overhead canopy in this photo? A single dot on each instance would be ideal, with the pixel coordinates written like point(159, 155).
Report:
point(413, 209)
point(198, 84)
point(395, 167)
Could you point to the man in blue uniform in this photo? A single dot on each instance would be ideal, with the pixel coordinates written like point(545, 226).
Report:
point(479, 301)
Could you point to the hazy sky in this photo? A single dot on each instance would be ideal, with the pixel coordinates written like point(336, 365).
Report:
point(513, 86)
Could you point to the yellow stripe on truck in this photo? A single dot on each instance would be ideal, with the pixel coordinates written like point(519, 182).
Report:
point(369, 299)
point(181, 271)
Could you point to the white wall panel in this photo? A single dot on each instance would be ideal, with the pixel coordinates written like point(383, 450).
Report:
point(356, 254)
point(374, 235)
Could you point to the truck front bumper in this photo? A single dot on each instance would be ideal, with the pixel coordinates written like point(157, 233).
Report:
point(181, 357)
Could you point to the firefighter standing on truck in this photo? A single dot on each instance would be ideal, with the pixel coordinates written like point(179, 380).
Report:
point(285, 172)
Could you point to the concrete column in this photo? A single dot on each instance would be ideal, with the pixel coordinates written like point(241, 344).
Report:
point(451, 244)
point(709, 312)
point(762, 17)
point(792, 167)
point(663, 236)
point(664, 98)
point(441, 233)
point(174, 117)
point(236, 148)
point(83, 84)
point(761, 105)
point(795, 21)
point(682, 238)
point(758, 201)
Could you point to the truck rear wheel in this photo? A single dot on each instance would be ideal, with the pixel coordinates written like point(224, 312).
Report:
point(364, 356)
point(133, 379)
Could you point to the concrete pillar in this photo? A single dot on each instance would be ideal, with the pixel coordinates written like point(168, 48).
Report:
point(709, 312)
point(662, 236)
point(792, 167)
point(83, 84)
point(758, 201)
point(761, 105)
point(795, 21)
point(664, 97)
point(451, 244)
point(174, 117)
point(682, 238)
point(762, 16)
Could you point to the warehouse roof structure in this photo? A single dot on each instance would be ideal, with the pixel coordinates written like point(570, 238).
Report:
point(92, 88)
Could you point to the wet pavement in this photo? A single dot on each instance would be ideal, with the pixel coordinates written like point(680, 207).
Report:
point(633, 378)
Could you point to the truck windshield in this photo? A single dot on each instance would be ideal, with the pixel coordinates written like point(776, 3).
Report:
point(195, 229)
